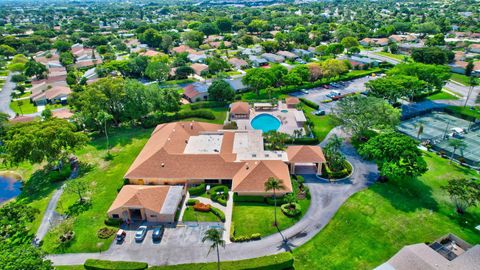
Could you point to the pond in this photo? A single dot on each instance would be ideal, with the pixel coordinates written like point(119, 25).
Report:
point(9, 188)
point(265, 122)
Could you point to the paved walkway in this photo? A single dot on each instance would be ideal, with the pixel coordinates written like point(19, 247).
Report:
point(326, 200)
point(50, 217)
point(5, 96)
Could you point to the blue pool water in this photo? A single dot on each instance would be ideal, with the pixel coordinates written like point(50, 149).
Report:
point(265, 122)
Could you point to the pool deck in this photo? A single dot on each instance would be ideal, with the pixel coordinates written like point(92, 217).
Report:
point(287, 119)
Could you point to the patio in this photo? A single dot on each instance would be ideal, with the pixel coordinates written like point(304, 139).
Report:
point(291, 119)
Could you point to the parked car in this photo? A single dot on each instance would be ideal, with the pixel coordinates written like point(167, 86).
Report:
point(140, 233)
point(121, 234)
point(305, 91)
point(157, 233)
point(333, 94)
point(319, 112)
point(326, 86)
point(300, 61)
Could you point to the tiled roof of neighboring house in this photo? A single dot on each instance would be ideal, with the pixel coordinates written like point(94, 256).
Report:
point(376, 41)
point(198, 68)
point(475, 46)
point(257, 59)
point(88, 63)
point(292, 101)
point(22, 119)
point(62, 113)
point(182, 48)
point(237, 62)
point(217, 44)
point(193, 89)
point(287, 54)
point(212, 38)
point(305, 154)
point(459, 55)
point(240, 108)
point(57, 71)
point(253, 175)
point(273, 57)
point(402, 38)
point(148, 197)
point(463, 64)
point(52, 93)
point(150, 53)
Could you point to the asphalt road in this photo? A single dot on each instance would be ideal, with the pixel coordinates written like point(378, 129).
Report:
point(5, 96)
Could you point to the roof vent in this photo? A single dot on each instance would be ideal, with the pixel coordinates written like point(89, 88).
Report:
point(163, 164)
point(173, 130)
point(191, 125)
point(186, 140)
point(247, 166)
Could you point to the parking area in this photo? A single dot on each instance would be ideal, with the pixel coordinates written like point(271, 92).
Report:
point(188, 234)
point(319, 94)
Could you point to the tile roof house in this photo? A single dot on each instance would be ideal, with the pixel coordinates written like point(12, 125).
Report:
point(150, 203)
point(257, 61)
point(182, 49)
point(374, 42)
point(475, 48)
point(197, 57)
point(196, 92)
point(292, 102)
point(460, 66)
point(237, 84)
point(239, 110)
point(287, 55)
point(56, 94)
point(273, 58)
point(238, 63)
point(199, 68)
point(447, 253)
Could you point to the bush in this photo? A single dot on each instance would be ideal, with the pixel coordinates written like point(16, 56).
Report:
point(222, 201)
point(223, 196)
point(155, 119)
point(19, 78)
point(114, 222)
point(198, 190)
point(201, 207)
point(303, 141)
point(291, 210)
point(280, 261)
point(328, 173)
point(230, 125)
point(191, 202)
point(217, 212)
point(269, 200)
point(238, 198)
point(92, 264)
point(207, 104)
point(310, 103)
point(105, 233)
point(245, 238)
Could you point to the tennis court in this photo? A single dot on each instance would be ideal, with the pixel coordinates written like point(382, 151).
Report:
point(439, 127)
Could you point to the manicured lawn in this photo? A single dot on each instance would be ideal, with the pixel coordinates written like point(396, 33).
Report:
point(104, 179)
point(250, 218)
point(398, 57)
point(321, 124)
point(196, 216)
point(460, 78)
point(26, 108)
point(220, 115)
point(376, 223)
point(442, 96)
point(70, 267)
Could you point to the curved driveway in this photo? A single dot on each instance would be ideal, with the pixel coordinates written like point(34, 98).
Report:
point(326, 200)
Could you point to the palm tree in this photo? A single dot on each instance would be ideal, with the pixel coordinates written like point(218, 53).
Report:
point(214, 236)
point(456, 144)
point(274, 184)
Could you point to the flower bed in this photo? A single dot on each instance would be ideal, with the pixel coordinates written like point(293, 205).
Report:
point(331, 175)
point(201, 207)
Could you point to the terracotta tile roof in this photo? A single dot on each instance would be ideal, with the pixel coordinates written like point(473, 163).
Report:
point(57, 91)
point(238, 63)
point(62, 113)
point(150, 53)
point(305, 154)
point(240, 108)
point(193, 89)
point(182, 48)
point(141, 196)
point(198, 68)
point(253, 175)
point(292, 100)
point(22, 119)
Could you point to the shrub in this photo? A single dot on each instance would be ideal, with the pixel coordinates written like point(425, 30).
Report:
point(201, 207)
point(310, 103)
point(92, 264)
point(223, 194)
point(280, 200)
point(238, 198)
point(198, 190)
point(280, 261)
point(328, 173)
point(217, 212)
point(115, 222)
point(303, 141)
point(191, 202)
point(105, 233)
point(157, 118)
point(291, 210)
point(230, 125)
point(222, 201)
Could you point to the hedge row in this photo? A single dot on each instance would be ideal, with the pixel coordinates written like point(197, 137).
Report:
point(303, 141)
point(328, 173)
point(92, 264)
point(197, 190)
point(220, 198)
point(280, 261)
point(207, 104)
point(260, 199)
point(154, 119)
point(242, 238)
point(217, 212)
point(291, 212)
point(310, 103)
point(192, 202)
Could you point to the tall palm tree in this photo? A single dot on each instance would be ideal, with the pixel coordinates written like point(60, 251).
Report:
point(456, 144)
point(274, 184)
point(214, 236)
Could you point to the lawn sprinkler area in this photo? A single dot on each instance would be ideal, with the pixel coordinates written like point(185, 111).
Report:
point(438, 129)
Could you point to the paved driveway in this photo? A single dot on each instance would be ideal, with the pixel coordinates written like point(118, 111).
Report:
point(319, 94)
point(5, 96)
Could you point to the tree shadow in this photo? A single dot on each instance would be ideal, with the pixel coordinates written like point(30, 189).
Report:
point(40, 184)
point(119, 137)
point(407, 195)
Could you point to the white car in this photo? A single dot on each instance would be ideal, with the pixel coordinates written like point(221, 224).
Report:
point(305, 91)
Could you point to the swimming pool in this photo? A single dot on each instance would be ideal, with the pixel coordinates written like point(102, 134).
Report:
point(265, 122)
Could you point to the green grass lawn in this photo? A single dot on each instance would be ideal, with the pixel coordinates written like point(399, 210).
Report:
point(467, 110)
point(376, 223)
point(26, 108)
point(398, 57)
point(460, 78)
point(104, 179)
point(220, 115)
point(321, 124)
point(250, 218)
point(442, 96)
point(196, 216)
